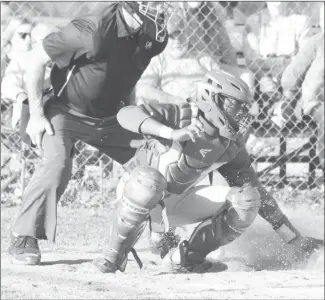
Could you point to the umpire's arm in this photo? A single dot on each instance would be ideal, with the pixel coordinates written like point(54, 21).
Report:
point(62, 48)
point(35, 73)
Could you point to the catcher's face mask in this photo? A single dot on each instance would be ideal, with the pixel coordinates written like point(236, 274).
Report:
point(158, 13)
point(224, 101)
point(235, 109)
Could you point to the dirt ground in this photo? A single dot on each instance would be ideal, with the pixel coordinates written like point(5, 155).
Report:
point(256, 266)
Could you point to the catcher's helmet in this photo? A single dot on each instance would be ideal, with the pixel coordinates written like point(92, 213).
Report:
point(224, 100)
point(156, 12)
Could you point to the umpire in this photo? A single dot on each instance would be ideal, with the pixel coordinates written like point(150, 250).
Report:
point(97, 60)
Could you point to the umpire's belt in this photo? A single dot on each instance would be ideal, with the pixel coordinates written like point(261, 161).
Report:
point(102, 122)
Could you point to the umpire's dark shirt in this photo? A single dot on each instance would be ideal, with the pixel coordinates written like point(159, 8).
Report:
point(110, 59)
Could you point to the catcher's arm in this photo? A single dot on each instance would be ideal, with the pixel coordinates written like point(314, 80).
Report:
point(173, 122)
point(238, 172)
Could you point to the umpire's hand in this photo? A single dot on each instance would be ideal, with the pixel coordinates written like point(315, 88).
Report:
point(36, 127)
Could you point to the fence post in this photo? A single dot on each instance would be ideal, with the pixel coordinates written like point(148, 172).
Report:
point(312, 162)
point(283, 173)
point(101, 167)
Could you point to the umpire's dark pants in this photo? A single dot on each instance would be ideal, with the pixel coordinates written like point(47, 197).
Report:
point(38, 215)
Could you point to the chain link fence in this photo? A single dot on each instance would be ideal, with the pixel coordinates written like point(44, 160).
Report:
point(284, 158)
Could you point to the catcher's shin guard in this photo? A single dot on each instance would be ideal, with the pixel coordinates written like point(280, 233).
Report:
point(286, 230)
point(222, 229)
point(144, 189)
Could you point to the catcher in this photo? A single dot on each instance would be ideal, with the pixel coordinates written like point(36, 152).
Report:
point(183, 144)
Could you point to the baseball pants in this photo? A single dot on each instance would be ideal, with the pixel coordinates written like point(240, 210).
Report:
point(196, 205)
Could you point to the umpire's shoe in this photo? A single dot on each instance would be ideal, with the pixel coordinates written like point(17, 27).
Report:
point(24, 250)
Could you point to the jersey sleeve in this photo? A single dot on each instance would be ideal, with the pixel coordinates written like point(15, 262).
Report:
point(165, 113)
point(132, 117)
point(77, 38)
point(171, 115)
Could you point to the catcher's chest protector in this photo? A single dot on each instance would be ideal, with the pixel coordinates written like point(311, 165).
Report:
point(184, 164)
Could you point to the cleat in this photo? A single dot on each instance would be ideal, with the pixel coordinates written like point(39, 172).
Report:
point(177, 261)
point(103, 265)
point(24, 250)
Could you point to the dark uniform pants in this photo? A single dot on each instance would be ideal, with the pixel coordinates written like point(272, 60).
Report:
point(38, 215)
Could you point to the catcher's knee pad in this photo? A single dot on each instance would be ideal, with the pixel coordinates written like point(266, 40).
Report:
point(143, 190)
point(243, 205)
